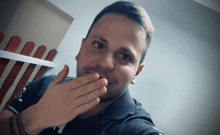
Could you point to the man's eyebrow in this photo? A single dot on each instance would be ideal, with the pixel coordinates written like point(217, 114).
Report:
point(101, 38)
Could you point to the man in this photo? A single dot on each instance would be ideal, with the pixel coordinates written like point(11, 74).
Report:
point(97, 101)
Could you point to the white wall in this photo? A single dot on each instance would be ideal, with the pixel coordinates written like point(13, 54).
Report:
point(213, 4)
point(180, 84)
point(35, 20)
point(32, 20)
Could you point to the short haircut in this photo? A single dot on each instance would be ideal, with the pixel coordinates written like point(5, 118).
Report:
point(133, 12)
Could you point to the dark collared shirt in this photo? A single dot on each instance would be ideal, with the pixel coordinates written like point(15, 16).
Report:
point(125, 117)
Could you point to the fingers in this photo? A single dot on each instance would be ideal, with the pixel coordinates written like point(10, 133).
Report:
point(61, 76)
point(87, 88)
point(85, 103)
point(83, 80)
point(90, 96)
point(86, 107)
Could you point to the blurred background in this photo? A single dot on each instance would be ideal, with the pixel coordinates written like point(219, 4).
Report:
point(180, 84)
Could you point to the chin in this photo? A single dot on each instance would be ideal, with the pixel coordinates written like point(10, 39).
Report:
point(109, 96)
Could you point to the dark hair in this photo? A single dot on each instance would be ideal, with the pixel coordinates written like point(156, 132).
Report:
point(133, 12)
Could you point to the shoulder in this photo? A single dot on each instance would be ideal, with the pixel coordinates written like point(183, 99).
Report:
point(135, 122)
point(41, 83)
point(127, 116)
point(39, 86)
point(140, 122)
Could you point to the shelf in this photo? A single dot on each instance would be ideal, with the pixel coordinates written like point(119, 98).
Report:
point(27, 59)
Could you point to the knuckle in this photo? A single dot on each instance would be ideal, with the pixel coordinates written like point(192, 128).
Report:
point(90, 96)
point(95, 85)
point(84, 107)
point(84, 79)
point(87, 88)
point(91, 86)
point(77, 81)
point(92, 77)
point(87, 79)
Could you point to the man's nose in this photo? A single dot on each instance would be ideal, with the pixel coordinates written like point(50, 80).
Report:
point(106, 61)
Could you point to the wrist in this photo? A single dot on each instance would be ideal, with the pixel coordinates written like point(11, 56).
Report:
point(30, 119)
point(13, 126)
point(16, 126)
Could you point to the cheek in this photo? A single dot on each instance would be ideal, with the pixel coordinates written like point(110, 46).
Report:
point(89, 55)
point(85, 56)
point(124, 74)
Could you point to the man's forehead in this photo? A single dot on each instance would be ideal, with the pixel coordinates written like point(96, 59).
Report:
point(120, 31)
point(113, 19)
point(120, 27)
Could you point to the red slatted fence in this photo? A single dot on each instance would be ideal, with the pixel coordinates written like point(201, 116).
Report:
point(12, 46)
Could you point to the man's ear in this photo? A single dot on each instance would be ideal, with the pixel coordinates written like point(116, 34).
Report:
point(82, 44)
point(140, 68)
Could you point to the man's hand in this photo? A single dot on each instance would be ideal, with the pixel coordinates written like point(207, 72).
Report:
point(62, 102)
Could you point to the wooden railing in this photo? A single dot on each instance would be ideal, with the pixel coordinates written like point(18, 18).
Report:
point(7, 93)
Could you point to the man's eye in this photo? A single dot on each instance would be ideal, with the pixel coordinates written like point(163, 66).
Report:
point(126, 57)
point(99, 45)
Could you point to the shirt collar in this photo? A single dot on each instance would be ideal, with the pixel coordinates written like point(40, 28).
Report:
point(120, 109)
point(124, 106)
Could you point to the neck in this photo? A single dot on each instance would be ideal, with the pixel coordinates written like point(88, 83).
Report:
point(97, 109)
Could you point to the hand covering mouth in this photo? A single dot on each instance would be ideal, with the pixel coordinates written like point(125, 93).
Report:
point(101, 76)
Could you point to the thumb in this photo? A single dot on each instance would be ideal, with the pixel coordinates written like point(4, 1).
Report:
point(61, 76)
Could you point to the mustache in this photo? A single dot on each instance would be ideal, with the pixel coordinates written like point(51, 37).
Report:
point(104, 73)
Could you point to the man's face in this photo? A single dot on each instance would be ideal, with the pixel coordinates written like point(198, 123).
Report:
point(113, 49)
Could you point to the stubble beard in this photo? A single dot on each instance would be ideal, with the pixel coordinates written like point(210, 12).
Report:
point(109, 96)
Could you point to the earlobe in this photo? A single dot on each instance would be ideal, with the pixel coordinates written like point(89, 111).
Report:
point(140, 68)
point(133, 81)
point(82, 43)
